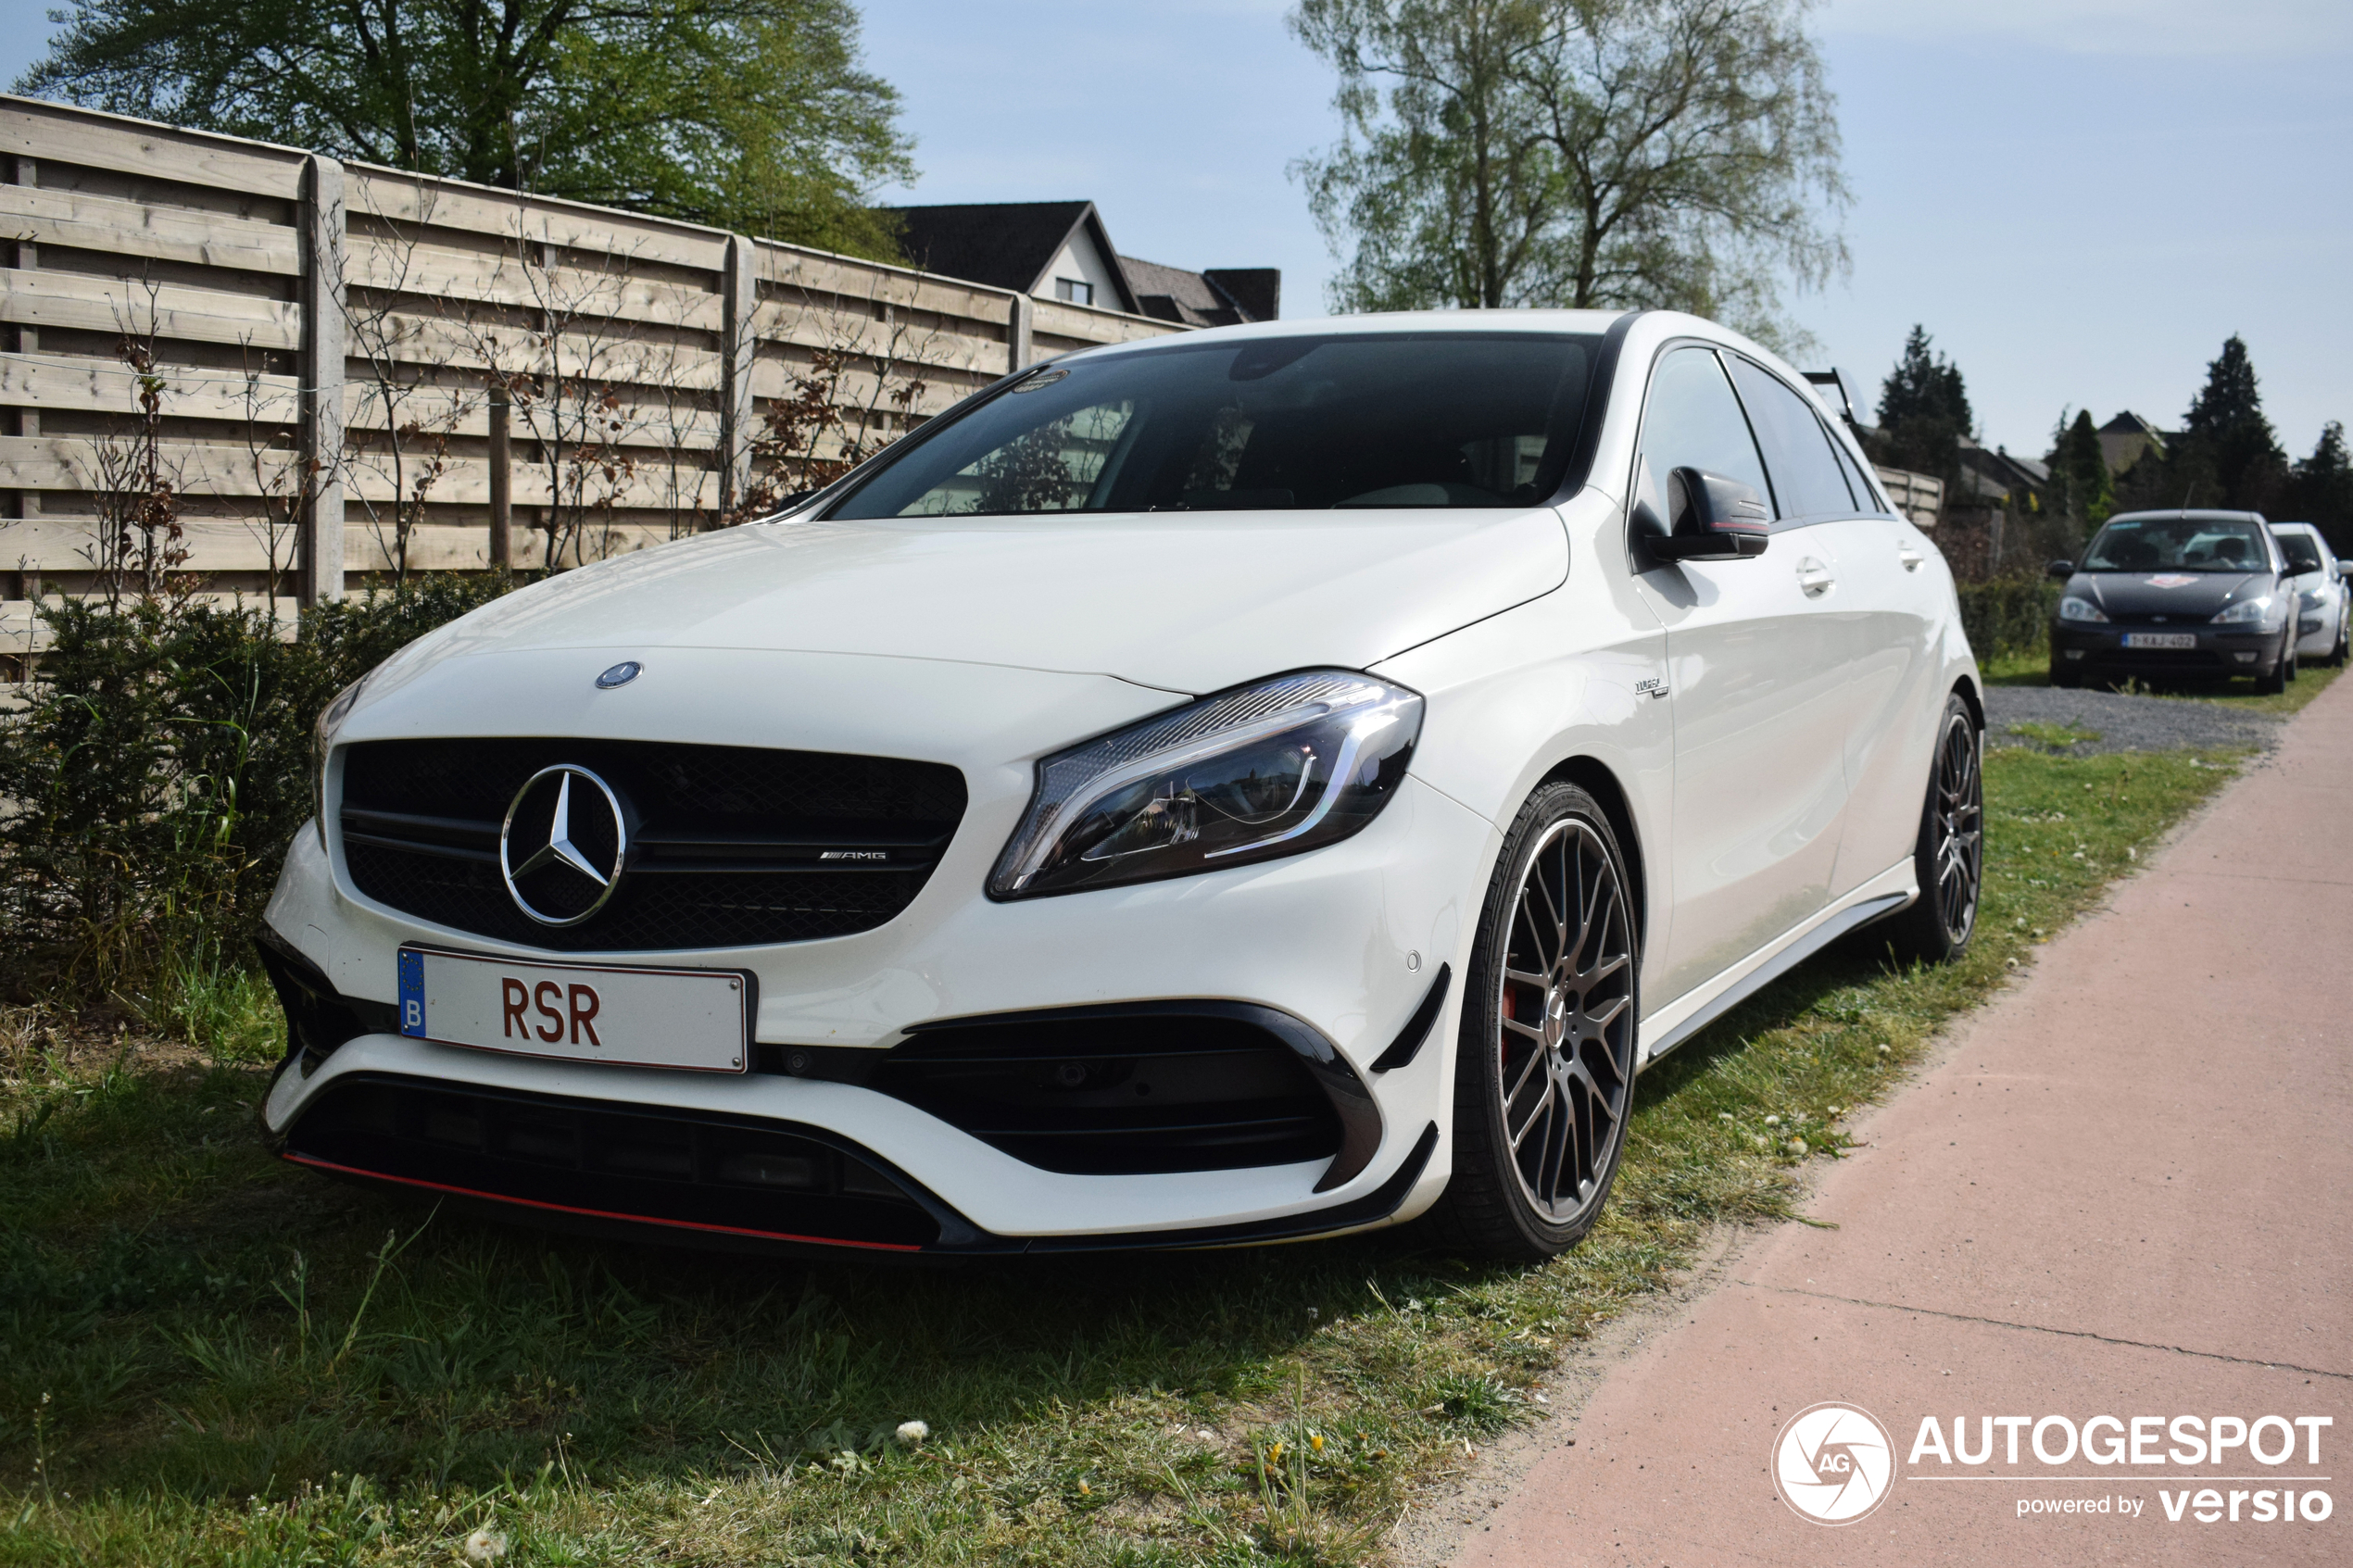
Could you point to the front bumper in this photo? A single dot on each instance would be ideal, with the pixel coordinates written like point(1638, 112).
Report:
point(2099, 651)
point(1347, 942)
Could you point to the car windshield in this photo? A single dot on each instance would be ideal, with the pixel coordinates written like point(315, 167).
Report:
point(1277, 424)
point(2178, 543)
point(2302, 554)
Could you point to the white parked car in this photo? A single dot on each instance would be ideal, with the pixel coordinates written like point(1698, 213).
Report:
point(1255, 783)
point(2322, 615)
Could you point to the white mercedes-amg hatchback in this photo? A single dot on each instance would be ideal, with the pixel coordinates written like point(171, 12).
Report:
point(1254, 784)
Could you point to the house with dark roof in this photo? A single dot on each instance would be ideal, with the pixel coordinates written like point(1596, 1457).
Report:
point(1993, 477)
point(2126, 438)
point(1060, 250)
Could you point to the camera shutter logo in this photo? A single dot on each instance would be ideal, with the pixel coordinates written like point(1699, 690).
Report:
point(1833, 1463)
point(562, 845)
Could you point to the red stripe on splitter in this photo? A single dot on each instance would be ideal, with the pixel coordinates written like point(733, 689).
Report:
point(596, 1213)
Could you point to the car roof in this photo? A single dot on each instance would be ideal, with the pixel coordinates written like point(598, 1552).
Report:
point(2187, 514)
point(1580, 323)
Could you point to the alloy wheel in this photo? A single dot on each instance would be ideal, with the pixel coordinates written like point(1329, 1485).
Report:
point(1566, 1045)
point(1959, 812)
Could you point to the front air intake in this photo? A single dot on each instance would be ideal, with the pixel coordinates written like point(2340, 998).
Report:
point(597, 1160)
point(1141, 1087)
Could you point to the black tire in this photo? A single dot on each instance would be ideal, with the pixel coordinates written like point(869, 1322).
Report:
point(2344, 637)
point(2066, 680)
point(1949, 856)
point(1566, 1079)
point(2275, 682)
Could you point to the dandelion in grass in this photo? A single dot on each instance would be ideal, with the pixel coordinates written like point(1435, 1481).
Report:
point(484, 1546)
point(913, 1432)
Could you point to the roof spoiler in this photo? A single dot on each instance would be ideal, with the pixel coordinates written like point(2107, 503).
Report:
point(1833, 387)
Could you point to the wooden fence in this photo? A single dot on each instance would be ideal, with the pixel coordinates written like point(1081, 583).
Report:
point(1916, 495)
point(291, 377)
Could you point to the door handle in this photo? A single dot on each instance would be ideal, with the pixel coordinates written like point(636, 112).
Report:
point(1909, 557)
point(1813, 577)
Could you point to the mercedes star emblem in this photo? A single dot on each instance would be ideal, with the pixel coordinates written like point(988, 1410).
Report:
point(571, 842)
point(620, 674)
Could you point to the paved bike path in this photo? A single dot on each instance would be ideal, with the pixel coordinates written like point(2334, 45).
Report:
point(2124, 1189)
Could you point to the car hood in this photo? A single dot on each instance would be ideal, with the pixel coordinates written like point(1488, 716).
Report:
point(1190, 603)
point(2189, 595)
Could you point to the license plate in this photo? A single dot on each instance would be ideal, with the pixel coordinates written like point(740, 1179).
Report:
point(2161, 639)
point(694, 1019)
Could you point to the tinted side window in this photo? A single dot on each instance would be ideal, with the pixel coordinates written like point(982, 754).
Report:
point(1866, 498)
point(2302, 554)
point(1692, 421)
point(1807, 480)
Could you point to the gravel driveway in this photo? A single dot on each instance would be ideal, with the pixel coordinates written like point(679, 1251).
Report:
point(2122, 723)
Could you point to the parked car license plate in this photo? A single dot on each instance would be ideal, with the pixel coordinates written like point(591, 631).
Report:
point(2161, 639)
point(696, 1019)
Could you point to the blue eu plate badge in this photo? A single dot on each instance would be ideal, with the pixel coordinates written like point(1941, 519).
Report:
point(412, 993)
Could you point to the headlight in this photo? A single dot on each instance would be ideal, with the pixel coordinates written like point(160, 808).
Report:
point(2072, 608)
point(1265, 770)
point(2311, 598)
point(322, 736)
point(2248, 612)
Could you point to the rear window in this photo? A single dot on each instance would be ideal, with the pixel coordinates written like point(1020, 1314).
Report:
point(1278, 424)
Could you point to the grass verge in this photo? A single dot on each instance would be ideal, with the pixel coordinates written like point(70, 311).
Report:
point(209, 1357)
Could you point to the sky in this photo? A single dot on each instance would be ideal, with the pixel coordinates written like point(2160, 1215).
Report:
point(2079, 199)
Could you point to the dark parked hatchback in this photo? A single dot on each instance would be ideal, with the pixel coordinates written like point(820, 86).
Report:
point(2182, 595)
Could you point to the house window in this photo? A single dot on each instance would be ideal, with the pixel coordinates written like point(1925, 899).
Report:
point(1074, 291)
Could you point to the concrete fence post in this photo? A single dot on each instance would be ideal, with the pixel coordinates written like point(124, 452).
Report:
point(318, 369)
point(502, 479)
point(739, 298)
point(28, 257)
point(1017, 329)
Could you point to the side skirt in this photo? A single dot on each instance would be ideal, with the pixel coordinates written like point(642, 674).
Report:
point(1853, 917)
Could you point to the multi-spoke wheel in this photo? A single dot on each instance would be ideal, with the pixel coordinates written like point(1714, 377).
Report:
point(1950, 855)
point(1544, 1074)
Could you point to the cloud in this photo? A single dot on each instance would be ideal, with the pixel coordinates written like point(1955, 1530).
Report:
point(2108, 27)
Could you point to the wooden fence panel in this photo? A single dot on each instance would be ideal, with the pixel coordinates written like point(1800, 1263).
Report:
point(280, 303)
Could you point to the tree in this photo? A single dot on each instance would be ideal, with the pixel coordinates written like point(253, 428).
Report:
point(1579, 153)
point(2081, 486)
point(1924, 411)
point(747, 114)
point(2321, 490)
point(2226, 440)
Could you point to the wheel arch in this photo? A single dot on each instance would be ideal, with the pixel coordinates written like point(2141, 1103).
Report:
point(1596, 779)
point(1965, 689)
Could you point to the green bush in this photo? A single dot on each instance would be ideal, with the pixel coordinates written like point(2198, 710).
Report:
point(154, 775)
point(2009, 616)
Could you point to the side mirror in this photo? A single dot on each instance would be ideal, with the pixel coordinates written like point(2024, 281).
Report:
point(2061, 569)
point(2345, 569)
point(1713, 518)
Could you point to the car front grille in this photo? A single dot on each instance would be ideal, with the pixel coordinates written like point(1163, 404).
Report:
point(726, 850)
